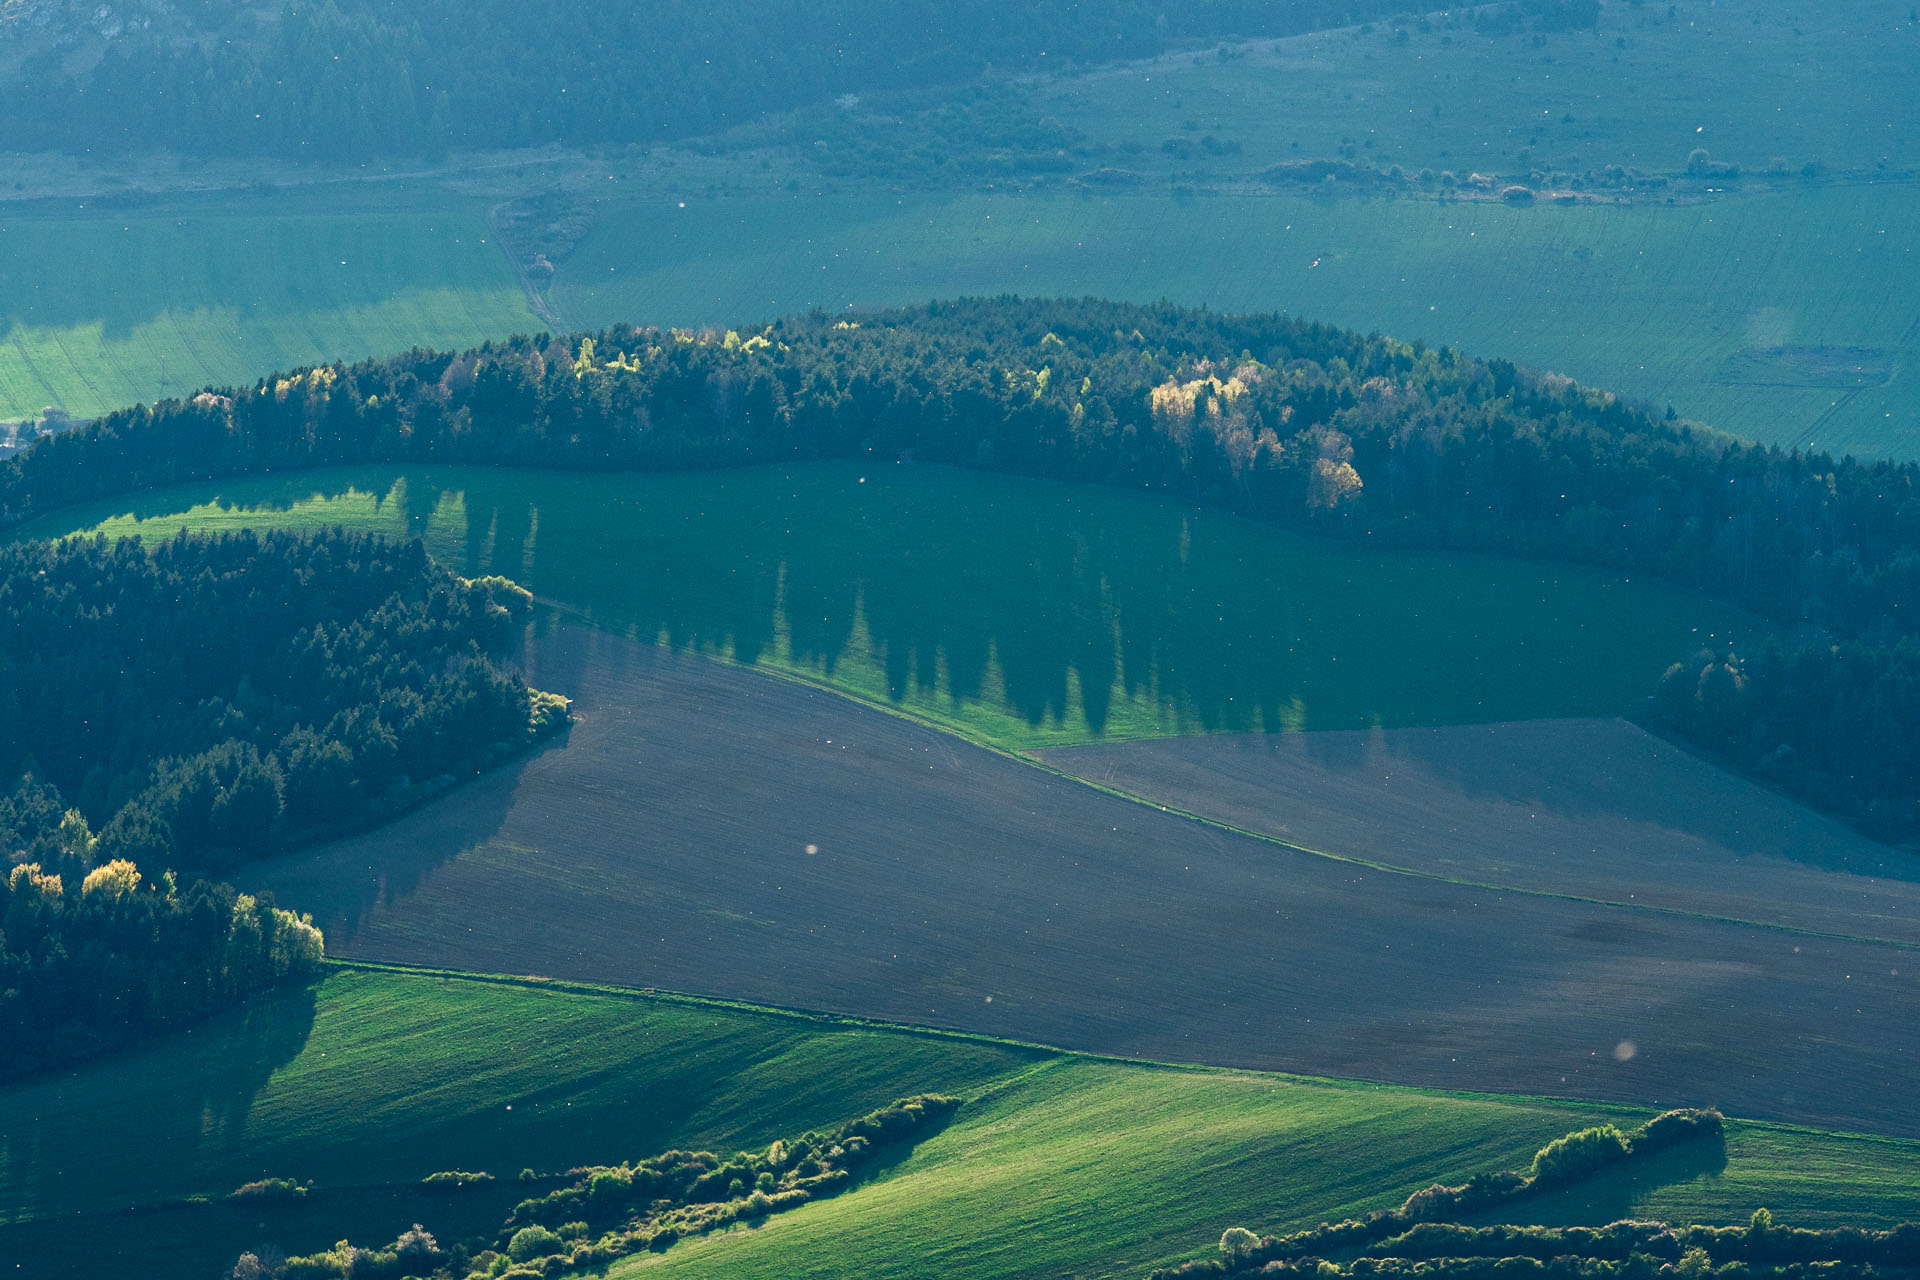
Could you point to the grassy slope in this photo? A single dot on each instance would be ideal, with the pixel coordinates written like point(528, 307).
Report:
point(104, 307)
point(1058, 613)
point(375, 1079)
point(1060, 1165)
point(1653, 301)
point(1643, 89)
point(1052, 1178)
point(432, 1064)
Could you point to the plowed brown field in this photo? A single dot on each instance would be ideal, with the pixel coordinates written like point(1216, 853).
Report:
point(1591, 808)
point(712, 830)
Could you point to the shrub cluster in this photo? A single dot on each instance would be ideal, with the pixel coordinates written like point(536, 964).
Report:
point(1622, 1251)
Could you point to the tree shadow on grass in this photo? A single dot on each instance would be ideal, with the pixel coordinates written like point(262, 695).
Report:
point(199, 1241)
point(163, 1119)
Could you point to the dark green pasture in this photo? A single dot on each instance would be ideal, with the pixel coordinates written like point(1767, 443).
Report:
point(1019, 613)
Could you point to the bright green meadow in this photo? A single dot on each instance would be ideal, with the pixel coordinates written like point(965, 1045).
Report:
point(101, 308)
point(1056, 1165)
point(1092, 1169)
point(1020, 613)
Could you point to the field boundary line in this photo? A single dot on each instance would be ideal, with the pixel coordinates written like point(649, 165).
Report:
point(1803, 438)
point(542, 310)
point(1047, 1055)
point(1050, 1057)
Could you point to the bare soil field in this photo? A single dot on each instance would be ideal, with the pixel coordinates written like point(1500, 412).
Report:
point(1595, 808)
point(712, 830)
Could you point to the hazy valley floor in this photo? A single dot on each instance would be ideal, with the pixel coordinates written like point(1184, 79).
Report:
point(665, 844)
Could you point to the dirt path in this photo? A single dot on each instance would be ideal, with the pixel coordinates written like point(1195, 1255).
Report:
point(536, 301)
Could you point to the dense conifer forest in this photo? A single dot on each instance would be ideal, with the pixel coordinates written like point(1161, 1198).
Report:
point(213, 699)
point(1282, 420)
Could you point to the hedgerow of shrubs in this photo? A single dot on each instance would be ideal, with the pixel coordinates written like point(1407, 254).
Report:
point(1561, 1162)
point(610, 1211)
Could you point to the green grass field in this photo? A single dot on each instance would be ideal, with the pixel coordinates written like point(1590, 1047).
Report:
point(101, 308)
point(1021, 613)
point(1050, 1178)
point(1787, 317)
point(1057, 1165)
point(372, 1081)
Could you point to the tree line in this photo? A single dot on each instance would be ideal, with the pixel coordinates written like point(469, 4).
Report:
point(88, 967)
point(199, 703)
point(1280, 419)
point(363, 80)
point(1564, 1161)
point(1426, 1237)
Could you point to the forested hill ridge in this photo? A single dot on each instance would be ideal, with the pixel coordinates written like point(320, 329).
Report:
point(361, 80)
point(1280, 419)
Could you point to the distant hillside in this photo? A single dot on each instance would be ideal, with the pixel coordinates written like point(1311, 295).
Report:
point(358, 80)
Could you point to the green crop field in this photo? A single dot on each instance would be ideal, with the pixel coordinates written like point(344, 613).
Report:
point(1020, 613)
point(1057, 1165)
point(1790, 316)
point(104, 307)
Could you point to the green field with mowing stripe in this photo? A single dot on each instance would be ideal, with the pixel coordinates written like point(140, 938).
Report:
point(104, 308)
point(1020, 613)
point(1056, 1165)
point(1790, 317)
